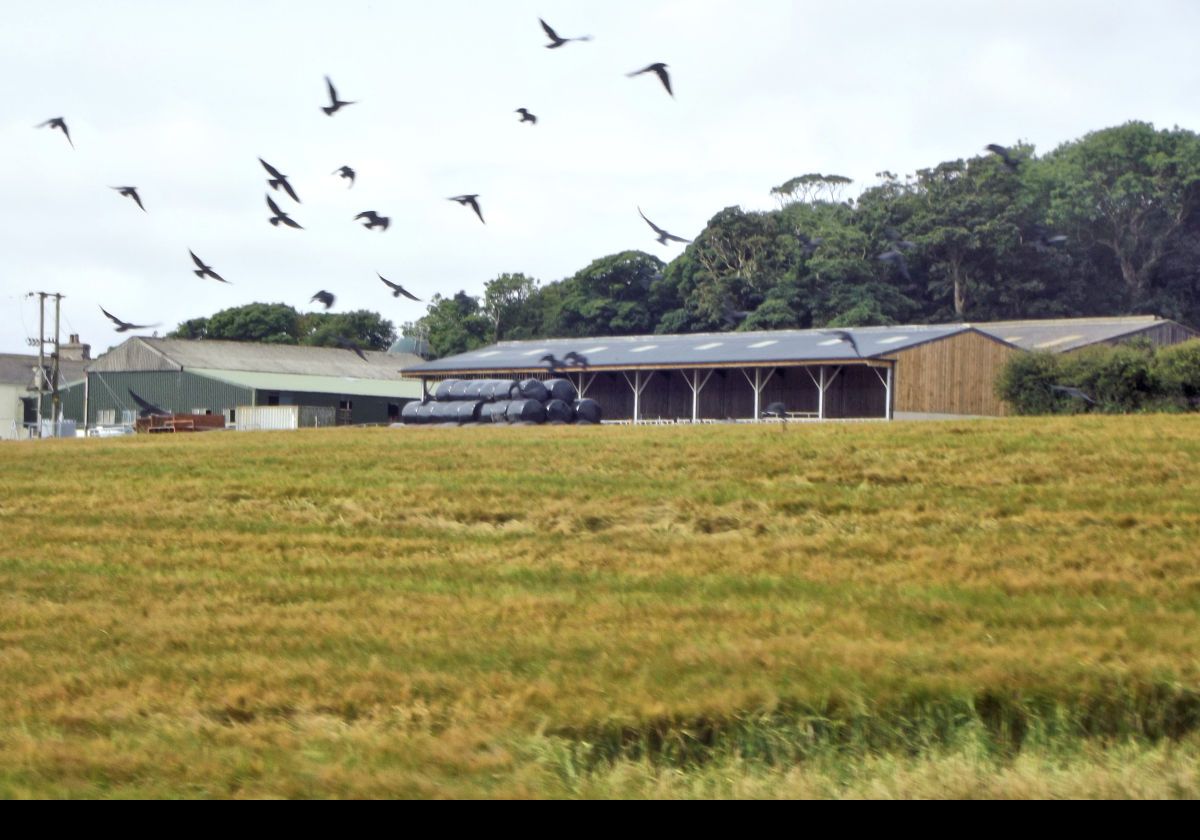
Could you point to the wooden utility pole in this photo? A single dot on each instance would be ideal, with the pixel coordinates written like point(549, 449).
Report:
point(41, 371)
point(56, 400)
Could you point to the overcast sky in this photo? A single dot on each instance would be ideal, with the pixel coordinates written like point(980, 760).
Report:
point(181, 99)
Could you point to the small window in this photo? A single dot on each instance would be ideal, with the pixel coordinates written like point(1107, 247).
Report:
point(106, 417)
point(346, 405)
point(273, 399)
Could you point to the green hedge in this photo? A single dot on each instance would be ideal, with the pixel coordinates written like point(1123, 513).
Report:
point(1127, 378)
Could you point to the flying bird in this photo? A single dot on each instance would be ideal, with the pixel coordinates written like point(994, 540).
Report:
point(397, 289)
point(280, 216)
point(471, 201)
point(278, 179)
point(843, 335)
point(897, 240)
point(61, 125)
point(131, 192)
point(555, 40)
point(206, 270)
point(526, 117)
point(808, 244)
point(125, 326)
point(896, 258)
point(347, 344)
point(569, 360)
point(1045, 239)
point(323, 297)
point(663, 236)
point(148, 409)
point(1068, 391)
point(374, 220)
point(335, 103)
point(1005, 154)
point(660, 70)
point(347, 173)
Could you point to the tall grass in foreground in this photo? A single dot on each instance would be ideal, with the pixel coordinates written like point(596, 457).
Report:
point(995, 608)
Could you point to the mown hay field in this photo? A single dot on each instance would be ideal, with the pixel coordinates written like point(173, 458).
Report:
point(990, 608)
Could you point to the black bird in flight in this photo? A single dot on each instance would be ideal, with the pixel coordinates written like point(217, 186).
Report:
point(280, 216)
point(471, 201)
point(397, 289)
point(374, 220)
point(896, 258)
point(663, 236)
point(1045, 240)
point(131, 192)
point(148, 409)
point(347, 344)
point(526, 117)
point(808, 244)
point(347, 173)
point(569, 360)
point(61, 125)
point(845, 336)
point(206, 270)
point(278, 180)
point(1068, 391)
point(1011, 162)
point(897, 240)
point(323, 297)
point(555, 40)
point(660, 70)
point(125, 326)
point(335, 103)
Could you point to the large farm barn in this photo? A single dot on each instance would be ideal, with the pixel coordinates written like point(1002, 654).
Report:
point(218, 377)
point(947, 369)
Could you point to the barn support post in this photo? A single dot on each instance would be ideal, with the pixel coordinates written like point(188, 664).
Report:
point(823, 382)
point(697, 385)
point(886, 381)
point(638, 385)
point(585, 382)
point(759, 384)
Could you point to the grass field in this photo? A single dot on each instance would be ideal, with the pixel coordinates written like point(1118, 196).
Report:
point(995, 608)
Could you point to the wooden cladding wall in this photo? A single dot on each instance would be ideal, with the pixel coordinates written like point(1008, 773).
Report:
point(956, 375)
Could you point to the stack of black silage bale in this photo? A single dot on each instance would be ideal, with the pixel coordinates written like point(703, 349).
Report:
point(462, 401)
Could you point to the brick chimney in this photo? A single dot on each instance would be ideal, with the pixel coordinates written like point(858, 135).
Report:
point(74, 351)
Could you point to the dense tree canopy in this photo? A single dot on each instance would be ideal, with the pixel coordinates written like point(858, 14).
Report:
point(1105, 225)
point(278, 323)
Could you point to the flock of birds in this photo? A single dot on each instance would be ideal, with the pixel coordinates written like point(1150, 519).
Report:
point(278, 182)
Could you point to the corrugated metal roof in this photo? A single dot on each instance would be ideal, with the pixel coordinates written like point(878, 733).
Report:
point(17, 369)
point(694, 350)
point(342, 385)
point(1066, 334)
point(159, 354)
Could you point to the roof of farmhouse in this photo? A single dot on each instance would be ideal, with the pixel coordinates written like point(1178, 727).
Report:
point(1067, 334)
point(167, 354)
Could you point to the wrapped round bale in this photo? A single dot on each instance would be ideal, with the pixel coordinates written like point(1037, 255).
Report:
point(493, 412)
point(444, 412)
point(558, 411)
point(527, 411)
point(587, 411)
point(502, 389)
point(533, 389)
point(467, 411)
point(561, 389)
point(411, 413)
point(458, 391)
point(442, 393)
point(475, 389)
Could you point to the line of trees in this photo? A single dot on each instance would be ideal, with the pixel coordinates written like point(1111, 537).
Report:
point(278, 323)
